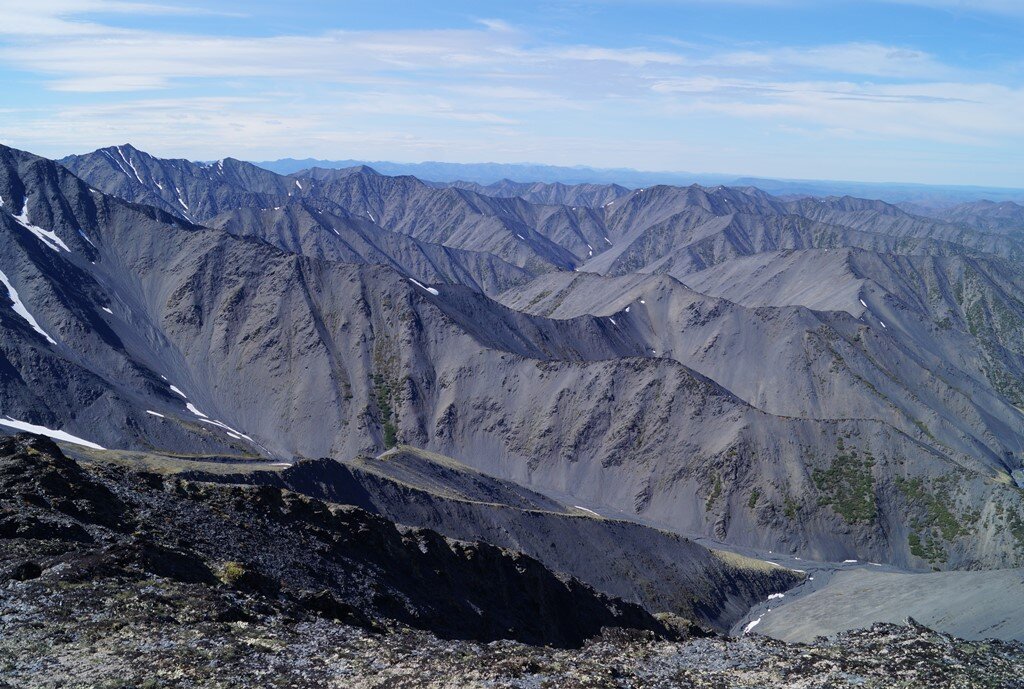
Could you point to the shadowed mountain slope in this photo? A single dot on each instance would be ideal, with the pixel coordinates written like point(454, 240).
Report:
point(660, 571)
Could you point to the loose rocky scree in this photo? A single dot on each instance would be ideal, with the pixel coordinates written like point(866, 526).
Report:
point(112, 578)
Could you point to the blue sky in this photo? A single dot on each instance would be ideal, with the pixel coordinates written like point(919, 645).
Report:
point(898, 90)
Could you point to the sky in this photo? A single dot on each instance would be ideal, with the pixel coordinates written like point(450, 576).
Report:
point(928, 91)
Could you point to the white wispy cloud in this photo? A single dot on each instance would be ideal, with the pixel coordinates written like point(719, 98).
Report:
point(488, 86)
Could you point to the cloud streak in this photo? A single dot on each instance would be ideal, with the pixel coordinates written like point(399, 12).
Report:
point(482, 90)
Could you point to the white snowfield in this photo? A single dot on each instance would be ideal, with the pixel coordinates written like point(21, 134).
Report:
point(130, 164)
point(21, 310)
point(584, 509)
point(175, 390)
point(155, 413)
point(49, 432)
point(47, 237)
point(422, 286)
point(751, 625)
point(237, 435)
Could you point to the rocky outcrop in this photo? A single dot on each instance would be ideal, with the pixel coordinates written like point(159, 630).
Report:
point(60, 522)
point(660, 571)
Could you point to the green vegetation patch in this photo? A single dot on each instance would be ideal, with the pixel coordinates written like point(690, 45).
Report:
point(848, 485)
point(929, 548)
point(937, 503)
point(386, 391)
point(715, 492)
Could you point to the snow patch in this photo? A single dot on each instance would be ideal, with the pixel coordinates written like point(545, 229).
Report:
point(19, 308)
point(86, 238)
point(613, 321)
point(751, 625)
point(107, 310)
point(297, 184)
point(238, 435)
point(846, 562)
point(776, 596)
point(176, 390)
point(584, 509)
point(43, 430)
point(421, 286)
point(642, 301)
point(129, 161)
point(192, 408)
point(883, 323)
point(627, 309)
point(47, 237)
point(155, 413)
point(863, 304)
point(115, 161)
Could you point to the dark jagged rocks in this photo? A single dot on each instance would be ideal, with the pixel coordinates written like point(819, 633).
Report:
point(65, 525)
point(661, 571)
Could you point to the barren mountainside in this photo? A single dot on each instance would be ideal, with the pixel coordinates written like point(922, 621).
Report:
point(834, 378)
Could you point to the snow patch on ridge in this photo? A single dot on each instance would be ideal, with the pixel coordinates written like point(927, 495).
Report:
point(421, 286)
point(48, 432)
point(130, 164)
point(47, 237)
point(19, 308)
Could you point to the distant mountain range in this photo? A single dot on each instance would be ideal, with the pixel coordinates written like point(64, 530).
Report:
point(606, 344)
point(490, 174)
